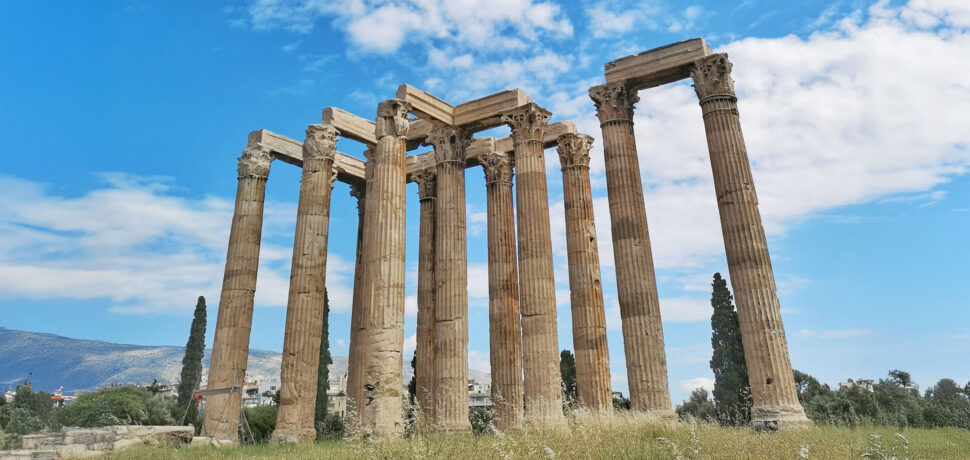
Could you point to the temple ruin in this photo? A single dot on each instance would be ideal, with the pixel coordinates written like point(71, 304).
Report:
point(524, 343)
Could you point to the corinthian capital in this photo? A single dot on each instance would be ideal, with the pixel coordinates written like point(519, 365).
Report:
point(712, 76)
point(613, 101)
point(498, 167)
point(320, 142)
point(528, 122)
point(574, 149)
point(254, 162)
point(449, 143)
point(392, 118)
point(427, 183)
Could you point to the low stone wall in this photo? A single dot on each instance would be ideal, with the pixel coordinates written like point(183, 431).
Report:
point(93, 442)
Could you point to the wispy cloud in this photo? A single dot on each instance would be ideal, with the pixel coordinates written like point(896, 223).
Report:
point(136, 244)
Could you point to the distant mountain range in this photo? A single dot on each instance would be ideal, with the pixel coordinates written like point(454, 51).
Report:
point(85, 365)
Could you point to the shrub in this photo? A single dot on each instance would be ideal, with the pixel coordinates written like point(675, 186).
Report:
point(23, 422)
point(127, 405)
point(262, 422)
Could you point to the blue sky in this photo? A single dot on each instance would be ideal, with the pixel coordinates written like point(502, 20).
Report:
point(122, 123)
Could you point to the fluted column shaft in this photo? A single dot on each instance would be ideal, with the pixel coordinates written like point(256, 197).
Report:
point(382, 322)
point(759, 311)
point(505, 333)
point(424, 349)
point(451, 282)
point(643, 342)
point(537, 287)
point(230, 348)
point(355, 389)
point(585, 286)
point(308, 273)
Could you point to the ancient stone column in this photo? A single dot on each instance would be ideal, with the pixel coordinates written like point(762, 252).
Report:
point(537, 286)
point(304, 309)
point(354, 360)
point(585, 285)
point(230, 348)
point(424, 349)
point(643, 341)
point(451, 281)
point(382, 321)
point(759, 312)
point(505, 333)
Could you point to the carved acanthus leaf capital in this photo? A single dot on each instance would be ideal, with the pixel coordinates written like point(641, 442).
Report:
point(392, 118)
point(498, 166)
point(427, 183)
point(449, 143)
point(574, 149)
point(320, 143)
point(613, 101)
point(254, 162)
point(358, 190)
point(712, 76)
point(528, 122)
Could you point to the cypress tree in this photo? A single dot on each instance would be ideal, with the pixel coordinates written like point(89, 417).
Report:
point(732, 392)
point(567, 369)
point(323, 372)
point(192, 361)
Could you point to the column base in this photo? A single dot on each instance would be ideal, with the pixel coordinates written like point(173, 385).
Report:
point(294, 436)
point(775, 418)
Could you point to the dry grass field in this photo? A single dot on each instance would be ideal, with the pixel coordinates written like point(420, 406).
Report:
point(624, 435)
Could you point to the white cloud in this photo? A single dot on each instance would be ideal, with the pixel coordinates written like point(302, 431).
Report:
point(689, 385)
point(135, 243)
point(410, 343)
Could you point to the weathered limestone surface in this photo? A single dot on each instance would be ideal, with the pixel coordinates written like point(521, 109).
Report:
point(657, 66)
point(230, 348)
point(585, 285)
point(355, 365)
point(73, 442)
point(349, 169)
point(505, 334)
point(451, 281)
point(762, 332)
point(355, 389)
point(382, 326)
point(424, 349)
point(304, 311)
point(643, 342)
point(537, 289)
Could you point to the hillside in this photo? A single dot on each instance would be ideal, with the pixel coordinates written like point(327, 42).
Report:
point(83, 365)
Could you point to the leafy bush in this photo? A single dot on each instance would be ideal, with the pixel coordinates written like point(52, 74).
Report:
point(23, 422)
point(481, 419)
point(127, 405)
point(332, 427)
point(699, 407)
point(37, 403)
point(262, 422)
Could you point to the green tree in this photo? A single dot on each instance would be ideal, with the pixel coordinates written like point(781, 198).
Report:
point(261, 421)
point(413, 383)
point(901, 378)
point(192, 363)
point(698, 406)
point(732, 392)
point(37, 403)
point(22, 422)
point(323, 371)
point(128, 405)
point(567, 368)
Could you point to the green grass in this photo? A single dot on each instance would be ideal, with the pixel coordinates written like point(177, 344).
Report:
point(620, 436)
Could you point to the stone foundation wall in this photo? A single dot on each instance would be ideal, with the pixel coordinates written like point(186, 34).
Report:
point(93, 442)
